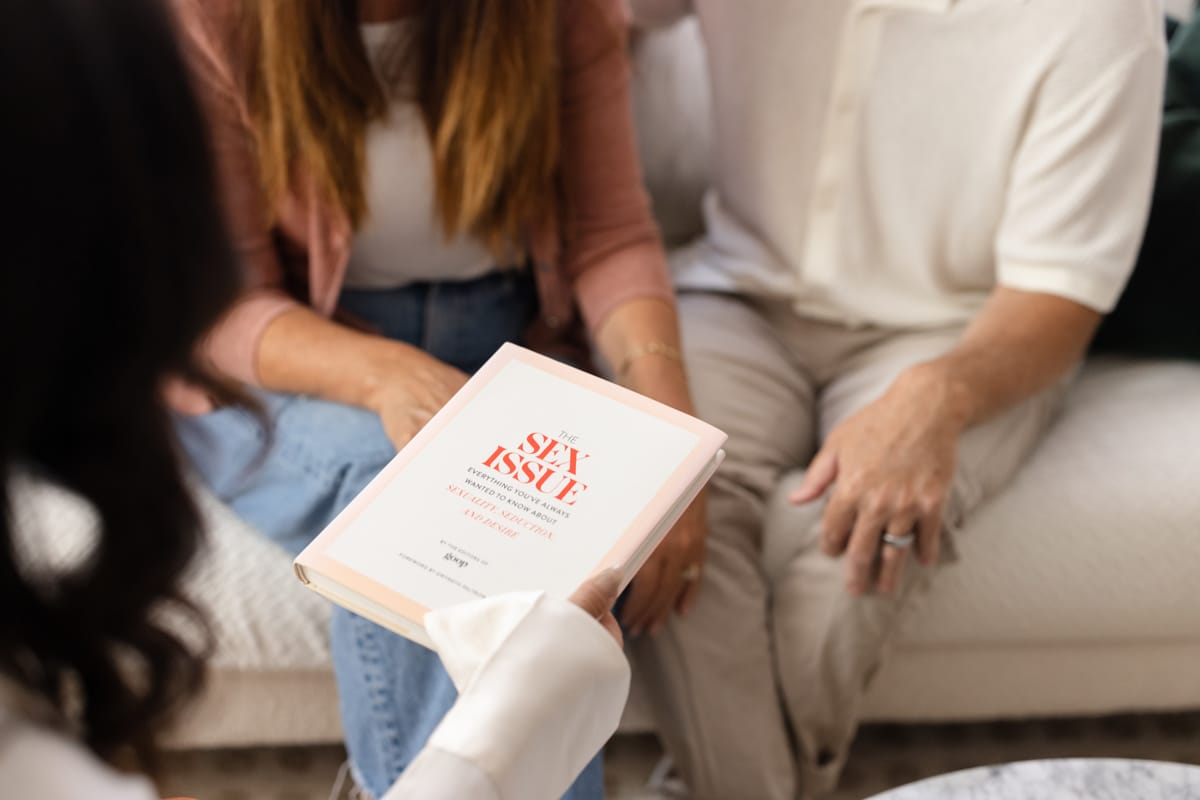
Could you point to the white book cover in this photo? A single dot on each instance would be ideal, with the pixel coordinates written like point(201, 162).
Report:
point(535, 476)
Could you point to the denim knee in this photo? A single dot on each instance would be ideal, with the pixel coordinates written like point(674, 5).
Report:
point(290, 476)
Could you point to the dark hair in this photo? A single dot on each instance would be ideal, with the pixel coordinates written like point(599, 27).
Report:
point(117, 262)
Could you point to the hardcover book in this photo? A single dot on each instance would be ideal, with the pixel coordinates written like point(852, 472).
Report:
point(535, 476)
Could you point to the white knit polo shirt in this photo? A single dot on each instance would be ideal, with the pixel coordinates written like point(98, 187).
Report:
point(890, 162)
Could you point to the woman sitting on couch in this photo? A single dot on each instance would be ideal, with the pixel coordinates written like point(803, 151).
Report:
point(410, 185)
point(117, 263)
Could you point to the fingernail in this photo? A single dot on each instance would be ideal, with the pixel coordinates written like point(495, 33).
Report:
point(608, 580)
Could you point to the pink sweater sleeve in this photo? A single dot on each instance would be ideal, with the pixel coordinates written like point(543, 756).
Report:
point(612, 250)
point(208, 28)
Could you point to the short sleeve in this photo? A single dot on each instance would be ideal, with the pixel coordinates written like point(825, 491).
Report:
point(1081, 184)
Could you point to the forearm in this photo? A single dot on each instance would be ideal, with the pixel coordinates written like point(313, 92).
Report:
point(304, 353)
point(1020, 344)
point(630, 340)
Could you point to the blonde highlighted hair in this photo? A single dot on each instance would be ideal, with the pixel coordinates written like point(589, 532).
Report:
point(486, 75)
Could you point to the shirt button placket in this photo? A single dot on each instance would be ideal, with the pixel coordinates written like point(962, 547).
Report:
point(820, 263)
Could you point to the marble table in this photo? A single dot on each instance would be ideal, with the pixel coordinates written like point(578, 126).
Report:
point(1072, 779)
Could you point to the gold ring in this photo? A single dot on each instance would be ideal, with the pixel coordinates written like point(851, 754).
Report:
point(691, 573)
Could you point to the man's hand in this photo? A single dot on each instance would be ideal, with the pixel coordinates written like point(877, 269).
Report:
point(670, 578)
point(892, 463)
point(891, 466)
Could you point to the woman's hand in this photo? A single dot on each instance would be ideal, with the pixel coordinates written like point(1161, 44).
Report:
point(596, 597)
point(640, 341)
point(411, 391)
point(304, 353)
point(670, 578)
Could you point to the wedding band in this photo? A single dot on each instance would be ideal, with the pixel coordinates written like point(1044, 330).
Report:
point(691, 573)
point(899, 542)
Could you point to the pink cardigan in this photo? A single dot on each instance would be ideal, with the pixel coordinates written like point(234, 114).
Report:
point(599, 249)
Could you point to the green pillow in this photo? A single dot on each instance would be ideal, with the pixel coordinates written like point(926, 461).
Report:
point(1159, 314)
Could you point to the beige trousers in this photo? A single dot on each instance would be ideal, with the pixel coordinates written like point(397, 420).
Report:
point(756, 692)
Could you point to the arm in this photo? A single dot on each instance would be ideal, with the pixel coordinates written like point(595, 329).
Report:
point(1020, 344)
point(538, 700)
point(1074, 216)
point(209, 43)
point(615, 260)
point(270, 339)
point(302, 352)
point(895, 458)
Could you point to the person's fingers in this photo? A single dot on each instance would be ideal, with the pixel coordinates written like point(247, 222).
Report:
point(636, 612)
point(597, 594)
point(821, 474)
point(837, 523)
point(929, 531)
point(670, 586)
point(863, 548)
point(692, 560)
point(691, 588)
point(660, 594)
point(893, 559)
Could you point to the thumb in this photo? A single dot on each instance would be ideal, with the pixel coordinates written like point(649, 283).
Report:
point(598, 593)
point(821, 473)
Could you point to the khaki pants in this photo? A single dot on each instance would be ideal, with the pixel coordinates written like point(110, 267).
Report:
point(756, 692)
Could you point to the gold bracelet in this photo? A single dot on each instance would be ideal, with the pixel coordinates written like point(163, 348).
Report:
point(655, 348)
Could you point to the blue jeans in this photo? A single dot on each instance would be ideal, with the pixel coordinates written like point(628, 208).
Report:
point(393, 692)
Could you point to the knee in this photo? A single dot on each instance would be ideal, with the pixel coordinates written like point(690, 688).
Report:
point(789, 531)
point(347, 441)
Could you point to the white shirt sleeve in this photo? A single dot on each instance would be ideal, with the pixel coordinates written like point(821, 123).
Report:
point(1083, 175)
point(542, 689)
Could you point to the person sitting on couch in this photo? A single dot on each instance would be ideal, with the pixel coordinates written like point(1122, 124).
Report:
point(921, 210)
point(410, 184)
point(98, 655)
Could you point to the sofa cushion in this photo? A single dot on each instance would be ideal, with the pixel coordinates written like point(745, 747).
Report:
point(1098, 538)
point(262, 618)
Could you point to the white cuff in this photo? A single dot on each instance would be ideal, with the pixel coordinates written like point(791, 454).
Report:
point(543, 687)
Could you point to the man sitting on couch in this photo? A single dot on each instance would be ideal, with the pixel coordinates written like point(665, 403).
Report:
point(921, 210)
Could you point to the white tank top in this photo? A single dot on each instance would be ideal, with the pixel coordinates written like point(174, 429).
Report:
point(402, 241)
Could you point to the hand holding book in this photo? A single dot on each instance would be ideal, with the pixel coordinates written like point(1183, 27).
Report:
point(535, 476)
point(597, 596)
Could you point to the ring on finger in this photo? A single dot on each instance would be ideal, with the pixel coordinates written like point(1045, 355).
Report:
point(690, 573)
point(903, 542)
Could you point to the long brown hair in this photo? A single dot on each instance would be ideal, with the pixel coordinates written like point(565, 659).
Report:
point(487, 77)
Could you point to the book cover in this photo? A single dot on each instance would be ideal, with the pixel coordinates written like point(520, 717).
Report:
point(534, 476)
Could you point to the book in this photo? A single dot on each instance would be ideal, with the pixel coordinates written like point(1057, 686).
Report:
point(535, 476)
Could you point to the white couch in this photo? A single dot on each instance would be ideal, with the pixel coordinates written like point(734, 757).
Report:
point(1075, 594)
